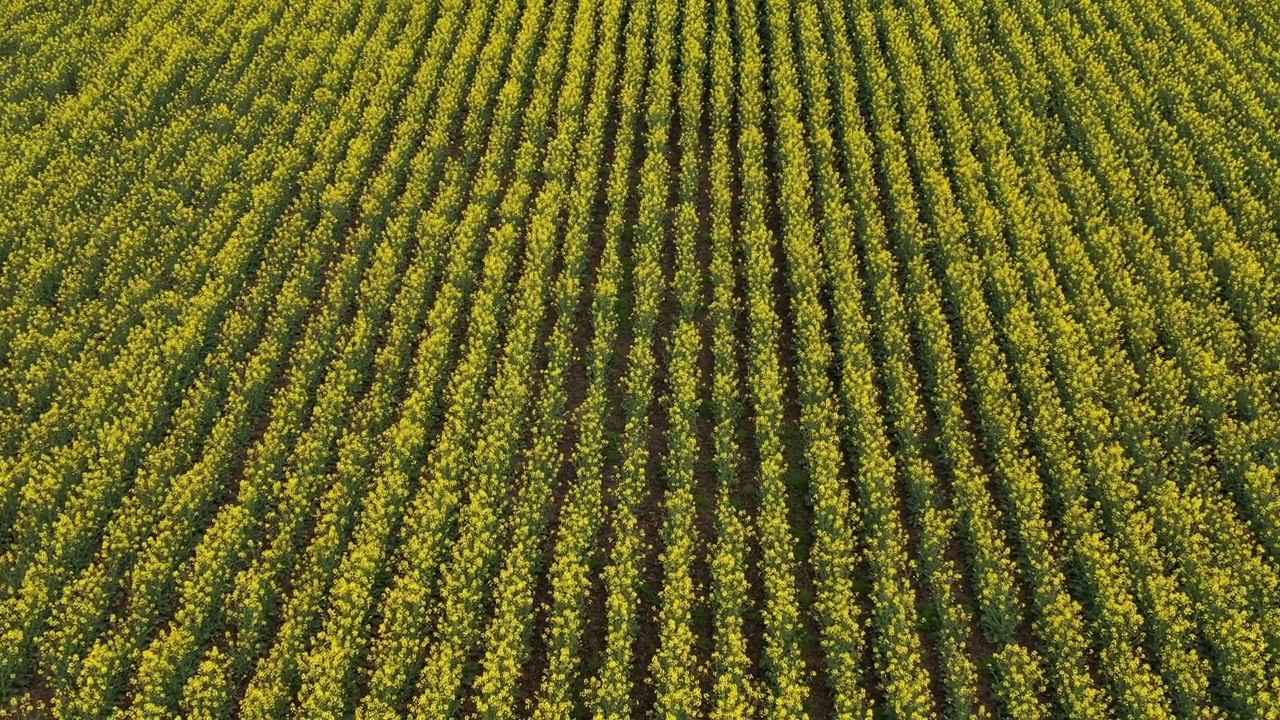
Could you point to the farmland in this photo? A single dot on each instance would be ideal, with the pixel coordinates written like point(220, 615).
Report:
point(629, 358)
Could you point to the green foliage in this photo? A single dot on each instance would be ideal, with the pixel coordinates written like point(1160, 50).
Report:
point(510, 358)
